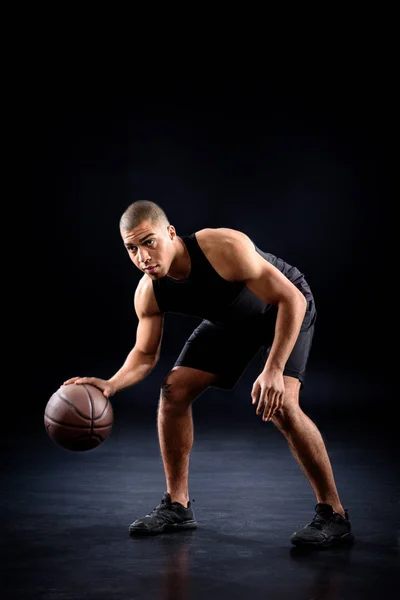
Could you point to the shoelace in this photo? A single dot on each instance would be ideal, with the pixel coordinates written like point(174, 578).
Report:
point(161, 505)
point(157, 508)
point(319, 521)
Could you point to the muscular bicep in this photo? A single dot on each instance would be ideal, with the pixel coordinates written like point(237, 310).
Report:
point(234, 257)
point(267, 282)
point(149, 334)
point(151, 320)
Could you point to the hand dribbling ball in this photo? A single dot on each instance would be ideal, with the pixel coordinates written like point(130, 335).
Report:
point(78, 417)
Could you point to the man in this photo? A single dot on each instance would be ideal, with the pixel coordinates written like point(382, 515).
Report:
point(248, 299)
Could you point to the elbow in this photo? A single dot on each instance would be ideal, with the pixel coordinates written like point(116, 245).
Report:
point(147, 357)
point(301, 302)
point(297, 301)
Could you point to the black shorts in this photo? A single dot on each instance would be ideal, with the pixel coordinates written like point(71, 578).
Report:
point(221, 350)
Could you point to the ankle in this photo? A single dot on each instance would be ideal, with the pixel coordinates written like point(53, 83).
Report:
point(181, 498)
point(338, 508)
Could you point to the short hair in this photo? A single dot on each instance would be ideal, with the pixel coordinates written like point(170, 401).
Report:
point(142, 210)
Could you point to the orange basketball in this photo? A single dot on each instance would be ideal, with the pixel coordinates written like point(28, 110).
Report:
point(78, 417)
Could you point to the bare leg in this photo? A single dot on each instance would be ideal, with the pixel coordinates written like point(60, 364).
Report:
point(175, 432)
point(308, 448)
point(175, 426)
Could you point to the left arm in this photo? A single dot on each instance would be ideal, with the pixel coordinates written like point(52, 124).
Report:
point(271, 286)
point(234, 257)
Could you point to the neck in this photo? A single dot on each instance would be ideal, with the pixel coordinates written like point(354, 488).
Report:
point(181, 265)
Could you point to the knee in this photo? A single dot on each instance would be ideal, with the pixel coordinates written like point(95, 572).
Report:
point(285, 418)
point(175, 393)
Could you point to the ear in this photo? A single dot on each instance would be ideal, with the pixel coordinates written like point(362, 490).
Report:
point(171, 232)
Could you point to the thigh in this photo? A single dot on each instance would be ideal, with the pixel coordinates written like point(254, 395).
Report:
point(219, 350)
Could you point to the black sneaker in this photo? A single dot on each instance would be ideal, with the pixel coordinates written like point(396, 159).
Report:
point(327, 528)
point(166, 517)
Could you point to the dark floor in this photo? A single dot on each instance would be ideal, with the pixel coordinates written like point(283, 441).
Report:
point(66, 517)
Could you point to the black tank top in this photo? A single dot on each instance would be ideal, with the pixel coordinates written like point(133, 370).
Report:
point(207, 295)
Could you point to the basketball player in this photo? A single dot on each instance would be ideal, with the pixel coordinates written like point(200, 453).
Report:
point(248, 299)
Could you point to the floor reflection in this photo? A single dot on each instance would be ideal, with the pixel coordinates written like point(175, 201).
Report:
point(173, 582)
point(179, 558)
point(329, 568)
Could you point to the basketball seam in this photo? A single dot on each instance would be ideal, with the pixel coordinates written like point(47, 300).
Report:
point(104, 410)
point(91, 411)
point(74, 426)
point(60, 395)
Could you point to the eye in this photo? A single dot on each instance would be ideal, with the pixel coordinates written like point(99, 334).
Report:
point(150, 241)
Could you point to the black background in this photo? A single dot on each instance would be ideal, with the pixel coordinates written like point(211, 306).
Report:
point(292, 140)
point(302, 167)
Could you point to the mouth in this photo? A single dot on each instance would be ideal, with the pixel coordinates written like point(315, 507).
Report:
point(151, 269)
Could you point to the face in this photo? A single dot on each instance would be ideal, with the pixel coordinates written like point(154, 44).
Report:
point(151, 247)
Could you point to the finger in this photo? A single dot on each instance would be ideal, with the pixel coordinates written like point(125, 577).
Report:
point(267, 410)
point(270, 407)
point(280, 401)
point(270, 412)
point(81, 380)
point(254, 392)
point(262, 401)
point(71, 380)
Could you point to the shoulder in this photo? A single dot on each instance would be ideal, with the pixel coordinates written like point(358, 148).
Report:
point(231, 252)
point(220, 237)
point(145, 300)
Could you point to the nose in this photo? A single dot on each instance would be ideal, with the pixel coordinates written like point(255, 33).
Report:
point(143, 257)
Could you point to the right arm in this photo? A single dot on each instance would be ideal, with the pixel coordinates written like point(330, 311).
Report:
point(144, 356)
